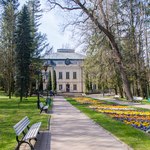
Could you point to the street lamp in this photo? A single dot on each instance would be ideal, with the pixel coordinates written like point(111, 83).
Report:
point(21, 89)
point(45, 66)
point(38, 94)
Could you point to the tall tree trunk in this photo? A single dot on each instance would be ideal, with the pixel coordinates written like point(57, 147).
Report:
point(9, 86)
point(118, 58)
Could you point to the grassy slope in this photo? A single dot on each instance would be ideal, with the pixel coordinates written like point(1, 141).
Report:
point(11, 111)
point(135, 138)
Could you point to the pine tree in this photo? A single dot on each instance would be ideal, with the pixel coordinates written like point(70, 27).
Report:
point(35, 15)
point(39, 43)
point(39, 39)
point(23, 52)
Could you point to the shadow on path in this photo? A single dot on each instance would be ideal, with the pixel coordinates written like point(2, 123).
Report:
point(43, 141)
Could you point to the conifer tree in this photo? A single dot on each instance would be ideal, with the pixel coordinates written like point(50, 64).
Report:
point(39, 43)
point(54, 86)
point(23, 52)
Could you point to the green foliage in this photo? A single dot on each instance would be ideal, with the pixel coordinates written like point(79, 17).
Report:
point(39, 40)
point(13, 111)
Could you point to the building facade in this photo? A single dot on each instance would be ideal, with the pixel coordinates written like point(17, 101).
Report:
point(68, 66)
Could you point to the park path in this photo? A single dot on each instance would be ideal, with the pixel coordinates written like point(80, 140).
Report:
point(72, 130)
point(134, 104)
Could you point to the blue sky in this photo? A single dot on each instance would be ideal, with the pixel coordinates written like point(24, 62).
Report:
point(51, 23)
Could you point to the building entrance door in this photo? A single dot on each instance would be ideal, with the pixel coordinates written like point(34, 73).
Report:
point(67, 87)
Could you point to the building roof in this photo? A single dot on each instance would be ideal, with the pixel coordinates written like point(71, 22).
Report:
point(64, 54)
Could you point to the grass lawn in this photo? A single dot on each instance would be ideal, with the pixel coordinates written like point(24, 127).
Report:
point(11, 111)
point(135, 138)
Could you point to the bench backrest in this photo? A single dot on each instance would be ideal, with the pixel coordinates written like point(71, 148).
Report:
point(137, 98)
point(21, 125)
point(41, 105)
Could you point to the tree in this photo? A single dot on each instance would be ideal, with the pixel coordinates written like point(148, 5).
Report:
point(133, 45)
point(24, 50)
point(123, 25)
point(7, 44)
point(49, 84)
point(39, 43)
point(54, 83)
point(86, 83)
point(93, 9)
point(35, 15)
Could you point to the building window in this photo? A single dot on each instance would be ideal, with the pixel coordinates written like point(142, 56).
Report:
point(74, 75)
point(74, 87)
point(67, 75)
point(60, 87)
point(60, 75)
point(94, 87)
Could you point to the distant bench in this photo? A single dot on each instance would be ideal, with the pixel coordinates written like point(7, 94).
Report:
point(137, 99)
point(117, 96)
point(43, 107)
point(29, 133)
point(83, 94)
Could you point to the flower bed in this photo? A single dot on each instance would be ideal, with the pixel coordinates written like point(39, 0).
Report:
point(125, 114)
point(110, 107)
point(86, 100)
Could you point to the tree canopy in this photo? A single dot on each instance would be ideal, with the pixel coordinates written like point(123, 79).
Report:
point(118, 29)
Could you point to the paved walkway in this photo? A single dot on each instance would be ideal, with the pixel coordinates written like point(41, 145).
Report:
point(72, 130)
point(140, 105)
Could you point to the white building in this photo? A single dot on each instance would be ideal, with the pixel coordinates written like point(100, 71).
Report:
point(69, 71)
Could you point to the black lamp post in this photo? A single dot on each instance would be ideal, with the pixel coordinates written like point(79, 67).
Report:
point(45, 68)
point(38, 94)
point(21, 88)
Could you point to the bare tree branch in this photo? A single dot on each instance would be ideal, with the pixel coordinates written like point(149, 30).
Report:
point(54, 3)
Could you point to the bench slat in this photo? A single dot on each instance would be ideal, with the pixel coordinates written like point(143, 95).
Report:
point(33, 131)
point(21, 125)
point(42, 106)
